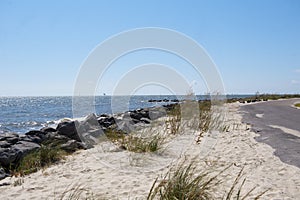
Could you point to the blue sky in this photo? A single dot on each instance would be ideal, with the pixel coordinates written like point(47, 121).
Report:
point(255, 44)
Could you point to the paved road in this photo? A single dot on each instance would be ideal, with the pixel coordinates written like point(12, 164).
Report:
point(286, 142)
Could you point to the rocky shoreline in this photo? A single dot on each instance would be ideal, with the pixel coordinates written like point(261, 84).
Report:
point(71, 135)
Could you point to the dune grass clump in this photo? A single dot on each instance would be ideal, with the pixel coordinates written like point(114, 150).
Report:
point(185, 183)
point(200, 116)
point(141, 144)
point(174, 119)
point(115, 135)
point(136, 142)
point(43, 157)
point(182, 184)
point(297, 105)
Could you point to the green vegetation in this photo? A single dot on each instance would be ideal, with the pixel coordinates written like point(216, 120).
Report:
point(174, 119)
point(297, 105)
point(202, 119)
point(115, 135)
point(43, 157)
point(139, 143)
point(185, 184)
point(182, 184)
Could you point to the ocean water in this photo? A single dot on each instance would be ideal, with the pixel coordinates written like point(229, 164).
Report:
point(21, 114)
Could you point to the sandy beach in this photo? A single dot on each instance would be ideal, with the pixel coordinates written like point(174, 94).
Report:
point(106, 172)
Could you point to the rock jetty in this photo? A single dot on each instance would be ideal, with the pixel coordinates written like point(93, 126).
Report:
point(71, 135)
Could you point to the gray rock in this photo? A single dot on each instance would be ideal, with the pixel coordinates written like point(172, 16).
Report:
point(145, 120)
point(34, 139)
point(54, 139)
point(4, 144)
point(71, 146)
point(12, 155)
point(11, 138)
point(3, 174)
point(126, 126)
point(106, 121)
point(91, 120)
point(35, 136)
point(48, 130)
point(68, 129)
point(4, 136)
point(136, 115)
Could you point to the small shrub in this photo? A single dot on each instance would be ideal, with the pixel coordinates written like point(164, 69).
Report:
point(297, 105)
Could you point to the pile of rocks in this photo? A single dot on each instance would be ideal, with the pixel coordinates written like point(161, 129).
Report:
point(71, 135)
point(163, 100)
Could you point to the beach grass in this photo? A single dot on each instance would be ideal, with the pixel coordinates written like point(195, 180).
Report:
point(139, 144)
point(182, 184)
point(173, 120)
point(297, 105)
point(136, 142)
point(185, 183)
point(41, 158)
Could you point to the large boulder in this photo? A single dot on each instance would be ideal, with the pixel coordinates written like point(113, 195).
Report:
point(89, 123)
point(106, 121)
point(126, 126)
point(10, 138)
point(35, 136)
point(68, 129)
point(12, 155)
point(48, 130)
point(4, 144)
point(54, 139)
point(91, 120)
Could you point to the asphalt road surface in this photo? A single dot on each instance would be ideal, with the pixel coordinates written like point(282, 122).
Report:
point(278, 124)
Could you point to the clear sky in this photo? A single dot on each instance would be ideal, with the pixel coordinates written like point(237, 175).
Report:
point(254, 43)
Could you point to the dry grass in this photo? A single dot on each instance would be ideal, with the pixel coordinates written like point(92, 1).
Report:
point(173, 121)
point(200, 116)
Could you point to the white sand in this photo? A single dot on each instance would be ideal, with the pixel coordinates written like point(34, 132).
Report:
point(112, 174)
